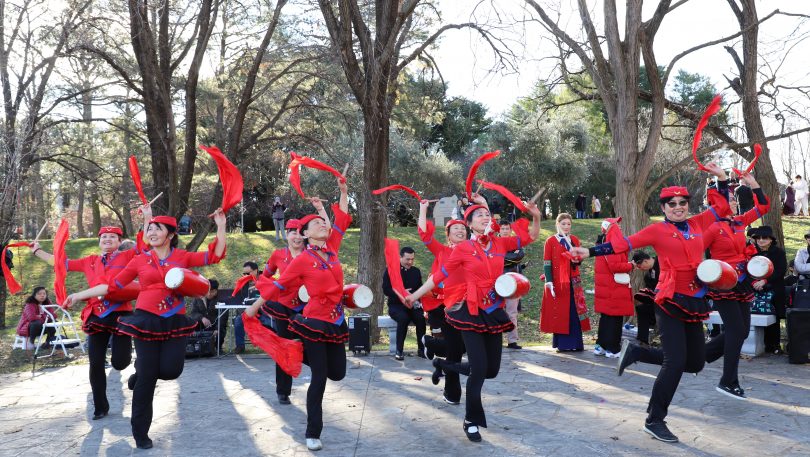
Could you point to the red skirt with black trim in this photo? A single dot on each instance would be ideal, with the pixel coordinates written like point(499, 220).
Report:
point(686, 308)
point(495, 322)
point(107, 324)
point(318, 330)
point(743, 292)
point(278, 311)
point(144, 325)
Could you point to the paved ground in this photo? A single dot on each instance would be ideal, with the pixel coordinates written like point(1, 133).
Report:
point(542, 403)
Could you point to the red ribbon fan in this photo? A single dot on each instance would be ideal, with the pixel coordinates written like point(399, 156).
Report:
point(711, 110)
point(757, 153)
point(11, 282)
point(229, 176)
point(506, 193)
point(474, 169)
point(288, 354)
point(393, 265)
point(240, 283)
point(295, 165)
point(136, 178)
point(398, 187)
point(60, 261)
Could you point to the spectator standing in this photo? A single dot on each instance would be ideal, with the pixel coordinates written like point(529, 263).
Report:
point(278, 218)
point(789, 206)
point(745, 198)
point(800, 189)
point(596, 207)
point(579, 205)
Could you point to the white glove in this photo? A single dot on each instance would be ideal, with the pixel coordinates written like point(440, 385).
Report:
point(605, 226)
point(550, 287)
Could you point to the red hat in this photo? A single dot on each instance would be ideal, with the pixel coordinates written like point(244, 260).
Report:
point(674, 191)
point(471, 209)
point(165, 220)
point(111, 229)
point(453, 222)
point(302, 223)
point(292, 224)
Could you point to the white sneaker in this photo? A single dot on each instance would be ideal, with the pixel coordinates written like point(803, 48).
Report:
point(597, 350)
point(611, 355)
point(314, 444)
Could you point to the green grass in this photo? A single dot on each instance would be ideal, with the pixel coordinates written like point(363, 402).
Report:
point(258, 246)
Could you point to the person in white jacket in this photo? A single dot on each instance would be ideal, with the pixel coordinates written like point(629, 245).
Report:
point(802, 262)
point(800, 189)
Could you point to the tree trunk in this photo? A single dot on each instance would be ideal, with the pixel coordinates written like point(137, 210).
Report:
point(80, 210)
point(96, 208)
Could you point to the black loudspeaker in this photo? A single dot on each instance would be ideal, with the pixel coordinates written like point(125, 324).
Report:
point(798, 330)
point(201, 344)
point(360, 333)
point(801, 293)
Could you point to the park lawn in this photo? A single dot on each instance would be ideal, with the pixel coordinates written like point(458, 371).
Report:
point(243, 247)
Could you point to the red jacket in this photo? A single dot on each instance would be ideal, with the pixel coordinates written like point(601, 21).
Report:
point(610, 297)
point(31, 312)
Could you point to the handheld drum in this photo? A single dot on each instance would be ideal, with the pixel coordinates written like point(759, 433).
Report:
point(717, 274)
point(512, 285)
point(760, 267)
point(357, 296)
point(187, 283)
point(303, 295)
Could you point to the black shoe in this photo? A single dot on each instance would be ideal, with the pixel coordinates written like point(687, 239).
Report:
point(143, 444)
point(731, 391)
point(100, 415)
point(426, 351)
point(659, 431)
point(736, 385)
point(471, 430)
point(239, 350)
point(421, 352)
point(450, 402)
point(133, 378)
point(437, 372)
point(399, 356)
point(284, 399)
point(514, 346)
point(627, 356)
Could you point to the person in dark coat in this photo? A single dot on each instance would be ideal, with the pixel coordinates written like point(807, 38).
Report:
point(767, 246)
point(745, 198)
point(579, 205)
point(203, 310)
point(789, 205)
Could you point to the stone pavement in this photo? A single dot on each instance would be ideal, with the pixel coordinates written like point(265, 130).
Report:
point(541, 403)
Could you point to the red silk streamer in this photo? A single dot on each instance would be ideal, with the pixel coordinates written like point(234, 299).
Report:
point(711, 110)
point(506, 193)
point(59, 261)
point(757, 153)
point(474, 169)
point(240, 283)
point(398, 187)
point(295, 165)
point(136, 178)
point(288, 354)
point(11, 282)
point(393, 265)
point(229, 176)
point(521, 229)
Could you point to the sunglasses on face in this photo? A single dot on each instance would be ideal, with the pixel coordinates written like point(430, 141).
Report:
point(759, 237)
point(673, 203)
point(245, 274)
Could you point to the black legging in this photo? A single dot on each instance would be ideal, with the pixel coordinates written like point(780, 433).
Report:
point(97, 352)
point(484, 362)
point(773, 336)
point(35, 329)
point(450, 346)
point(326, 360)
point(609, 335)
point(736, 324)
point(684, 350)
point(404, 316)
point(283, 380)
point(645, 318)
point(156, 360)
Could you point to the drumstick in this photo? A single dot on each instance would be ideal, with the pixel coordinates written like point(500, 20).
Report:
point(537, 195)
point(40, 231)
point(155, 199)
point(432, 201)
point(345, 169)
point(480, 185)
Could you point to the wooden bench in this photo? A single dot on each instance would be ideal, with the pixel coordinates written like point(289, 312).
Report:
point(387, 323)
point(754, 345)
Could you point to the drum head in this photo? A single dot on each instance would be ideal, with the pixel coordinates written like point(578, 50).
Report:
point(709, 271)
point(303, 295)
point(759, 266)
point(505, 285)
point(363, 296)
point(174, 278)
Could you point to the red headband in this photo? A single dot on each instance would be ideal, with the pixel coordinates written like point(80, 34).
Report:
point(111, 229)
point(305, 220)
point(453, 222)
point(674, 191)
point(292, 224)
point(165, 220)
point(473, 208)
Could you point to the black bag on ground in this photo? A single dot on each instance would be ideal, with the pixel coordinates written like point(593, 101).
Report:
point(201, 344)
point(801, 293)
point(798, 332)
point(359, 333)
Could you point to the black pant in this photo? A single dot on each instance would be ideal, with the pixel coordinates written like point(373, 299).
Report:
point(610, 333)
point(283, 380)
point(326, 360)
point(404, 316)
point(773, 336)
point(97, 352)
point(450, 346)
point(645, 318)
point(684, 350)
point(156, 360)
point(484, 355)
point(35, 329)
point(736, 324)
